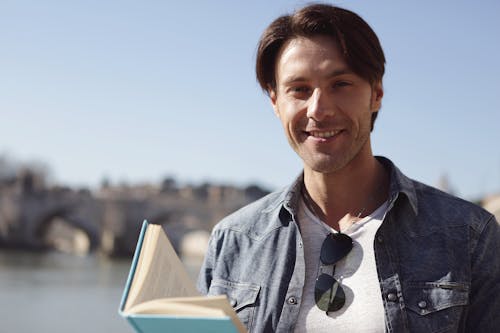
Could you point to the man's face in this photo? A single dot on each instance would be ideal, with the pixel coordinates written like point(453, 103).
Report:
point(324, 107)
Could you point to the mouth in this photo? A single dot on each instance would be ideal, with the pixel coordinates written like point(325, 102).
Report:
point(323, 134)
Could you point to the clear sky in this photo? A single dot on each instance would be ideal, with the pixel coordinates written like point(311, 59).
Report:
point(138, 90)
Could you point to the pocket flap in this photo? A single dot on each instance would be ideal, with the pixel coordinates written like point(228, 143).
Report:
point(239, 294)
point(427, 297)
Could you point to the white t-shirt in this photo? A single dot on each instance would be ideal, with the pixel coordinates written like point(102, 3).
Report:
point(363, 311)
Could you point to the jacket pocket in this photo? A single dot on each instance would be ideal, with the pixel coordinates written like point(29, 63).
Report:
point(435, 307)
point(242, 297)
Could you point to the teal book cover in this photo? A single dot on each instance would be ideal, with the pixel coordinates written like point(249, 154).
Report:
point(185, 310)
point(166, 324)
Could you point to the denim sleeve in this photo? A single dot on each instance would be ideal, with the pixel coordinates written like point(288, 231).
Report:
point(484, 309)
point(205, 275)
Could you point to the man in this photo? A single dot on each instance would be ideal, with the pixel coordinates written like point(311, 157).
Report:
point(352, 245)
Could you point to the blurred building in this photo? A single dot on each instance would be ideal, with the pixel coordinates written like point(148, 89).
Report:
point(34, 215)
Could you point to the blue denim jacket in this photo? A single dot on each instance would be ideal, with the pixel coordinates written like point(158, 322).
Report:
point(437, 256)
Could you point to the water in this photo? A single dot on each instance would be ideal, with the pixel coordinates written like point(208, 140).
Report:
point(56, 292)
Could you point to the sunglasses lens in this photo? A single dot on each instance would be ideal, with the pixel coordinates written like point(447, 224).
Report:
point(335, 247)
point(328, 294)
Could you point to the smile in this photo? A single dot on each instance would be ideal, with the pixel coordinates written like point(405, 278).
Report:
point(324, 135)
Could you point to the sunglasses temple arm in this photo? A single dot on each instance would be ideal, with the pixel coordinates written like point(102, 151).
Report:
point(331, 289)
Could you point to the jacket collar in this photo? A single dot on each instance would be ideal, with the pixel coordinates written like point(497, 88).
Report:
point(399, 184)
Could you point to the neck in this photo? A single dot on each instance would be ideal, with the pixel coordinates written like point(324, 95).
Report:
point(342, 197)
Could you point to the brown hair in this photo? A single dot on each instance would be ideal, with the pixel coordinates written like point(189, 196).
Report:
point(357, 41)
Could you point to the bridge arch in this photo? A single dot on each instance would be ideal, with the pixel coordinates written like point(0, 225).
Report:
point(62, 230)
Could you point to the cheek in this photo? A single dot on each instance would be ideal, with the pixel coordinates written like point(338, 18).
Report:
point(356, 106)
point(297, 121)
point(293, 125)
point(292, 115)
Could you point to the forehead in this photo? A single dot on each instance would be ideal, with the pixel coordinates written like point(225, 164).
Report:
point(317, 55)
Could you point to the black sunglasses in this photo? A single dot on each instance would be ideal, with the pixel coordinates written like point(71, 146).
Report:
point(328, 293)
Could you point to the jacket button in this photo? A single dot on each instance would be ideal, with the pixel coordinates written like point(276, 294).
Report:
point(292, 300)
point(422, 304)
point(380, 239)
point(392, 297)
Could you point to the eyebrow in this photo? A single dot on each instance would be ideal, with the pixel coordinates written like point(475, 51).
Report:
point(298, 78)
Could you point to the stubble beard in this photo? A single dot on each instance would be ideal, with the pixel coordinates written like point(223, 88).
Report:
point(331, 162)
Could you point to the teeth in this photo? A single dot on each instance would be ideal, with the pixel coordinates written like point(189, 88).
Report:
point(328, 134)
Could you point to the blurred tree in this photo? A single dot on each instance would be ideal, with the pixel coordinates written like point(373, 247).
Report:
point(168, 185)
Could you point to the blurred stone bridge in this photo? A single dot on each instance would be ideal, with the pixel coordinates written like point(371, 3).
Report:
point(36, 217)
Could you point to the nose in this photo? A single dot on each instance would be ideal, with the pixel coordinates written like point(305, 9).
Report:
point(319, 107)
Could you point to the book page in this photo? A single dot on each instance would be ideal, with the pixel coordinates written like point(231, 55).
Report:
point(159, 272)
point(183, 306)
point(201, 306)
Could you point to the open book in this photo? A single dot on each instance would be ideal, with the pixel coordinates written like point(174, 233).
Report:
point(160, 297)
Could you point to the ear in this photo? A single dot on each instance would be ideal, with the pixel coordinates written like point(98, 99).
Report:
point(377, 94)
point(273, 97)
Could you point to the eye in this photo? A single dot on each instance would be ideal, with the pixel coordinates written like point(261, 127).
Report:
point(340, 84)
point(299, 89)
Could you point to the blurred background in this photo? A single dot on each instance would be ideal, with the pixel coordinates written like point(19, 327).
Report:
point(112, 112)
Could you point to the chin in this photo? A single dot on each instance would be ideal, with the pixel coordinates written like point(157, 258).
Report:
point(327, 165)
